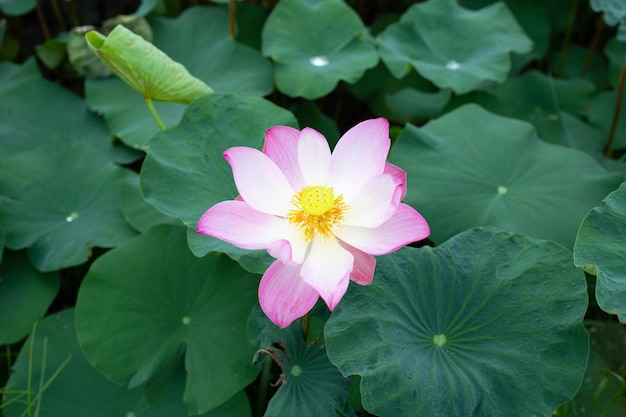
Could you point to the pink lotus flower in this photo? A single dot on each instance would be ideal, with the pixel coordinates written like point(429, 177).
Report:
point(323, 216)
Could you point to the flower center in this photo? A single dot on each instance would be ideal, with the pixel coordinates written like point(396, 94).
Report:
point(317, 200)
point(316, 211)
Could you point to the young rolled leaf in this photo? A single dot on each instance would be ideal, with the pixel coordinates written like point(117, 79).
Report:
point(600, 242)
point(144, 67)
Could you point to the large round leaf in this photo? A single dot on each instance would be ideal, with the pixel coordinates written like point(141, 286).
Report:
point(63, 383)
point(471, 168)
point(25, 295)
point(452, 46)
point(33, 109)
point(327, 43)
point(601, 242)
point(532, 15)
point(553, 106)
point(185, 172)
point(199, 39)
point(487, 324)
point(148, 303)
point(61, 199)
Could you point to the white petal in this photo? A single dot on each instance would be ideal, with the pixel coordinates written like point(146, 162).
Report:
point(259, 181)
point(405, 226)
point(292, 247)
point(237, 223)
point(313, 157)
point(376, 202)
point(326, 268)
point(281, 146)
point(359, 156)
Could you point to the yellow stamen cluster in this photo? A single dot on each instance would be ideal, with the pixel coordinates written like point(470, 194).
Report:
point(316, 211)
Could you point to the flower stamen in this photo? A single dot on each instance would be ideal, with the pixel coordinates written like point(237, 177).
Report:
point(316, 211)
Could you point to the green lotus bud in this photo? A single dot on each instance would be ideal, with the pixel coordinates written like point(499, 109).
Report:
point(145, 68)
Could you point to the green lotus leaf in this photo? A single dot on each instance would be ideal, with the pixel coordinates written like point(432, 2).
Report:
point(600, 242)
point(600, 111)
point(145, 8)
point(539, 99)
point(185, 173)
point(409, 99)
point(452, 46)
point(76, 389)
point(60, 200)
point(136, 210)
point(532, 16)
point(129, 119)
point(487, 324)
point(16, 7)
point(144, 67)
point(164, 306)
point(52, 53)
point(327, 43)
point(472, 168)
point(199, 40)
point(25, 295)
point(310, 386)
point(33, 109)
point(614, 10)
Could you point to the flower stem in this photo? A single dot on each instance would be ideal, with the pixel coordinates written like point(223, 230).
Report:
point(608, 148)
point(593, 46)
point(568, 35)
point(263, 384)
point(155, 114)
point(232, 18)
point(305, 327)
point(42, 21)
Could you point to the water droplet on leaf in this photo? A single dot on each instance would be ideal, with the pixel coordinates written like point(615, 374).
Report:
point(319, 61)
point(453, 65)
point(72, 216)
